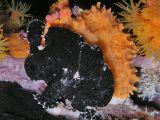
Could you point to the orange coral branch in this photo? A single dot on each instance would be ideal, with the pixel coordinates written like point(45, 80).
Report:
point(60, 15)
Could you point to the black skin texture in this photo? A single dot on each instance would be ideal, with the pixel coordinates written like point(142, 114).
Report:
point(66, 49)
point(35, 37)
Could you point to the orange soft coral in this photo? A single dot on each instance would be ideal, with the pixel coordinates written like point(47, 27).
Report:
point(99, 27)
point(18, 46)
point(145, 25)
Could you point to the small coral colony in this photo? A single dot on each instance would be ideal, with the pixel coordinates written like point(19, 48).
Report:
point(129, 41)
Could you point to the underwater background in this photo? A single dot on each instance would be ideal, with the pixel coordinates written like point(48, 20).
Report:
point(79, 60)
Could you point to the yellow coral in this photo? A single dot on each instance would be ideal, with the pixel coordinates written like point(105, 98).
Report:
point(145, 24)
point(3, 44)
point(18, 15)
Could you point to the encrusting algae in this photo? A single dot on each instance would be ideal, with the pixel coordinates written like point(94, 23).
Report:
point(99, 27)
point(3, 44)
point(144, 23)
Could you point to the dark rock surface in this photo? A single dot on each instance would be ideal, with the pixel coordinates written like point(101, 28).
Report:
point(17, 104)
point(72, 70)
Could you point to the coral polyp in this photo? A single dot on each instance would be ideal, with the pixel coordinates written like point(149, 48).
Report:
point(144, 23)
point(3, 44)
point(18, 14)
point(129, 13)
point(58, 5)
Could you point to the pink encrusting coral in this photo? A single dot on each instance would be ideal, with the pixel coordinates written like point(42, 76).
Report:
point(12, 70)
point(58, 17)
point(60, 13)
